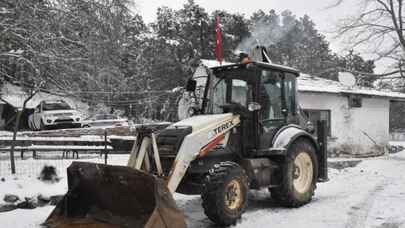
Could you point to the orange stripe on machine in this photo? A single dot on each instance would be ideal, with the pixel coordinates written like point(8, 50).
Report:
point(204, 151)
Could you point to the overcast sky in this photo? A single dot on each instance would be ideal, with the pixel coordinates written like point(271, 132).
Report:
point(324, 18)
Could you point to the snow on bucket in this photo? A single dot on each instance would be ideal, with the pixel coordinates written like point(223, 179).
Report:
point(115, 196)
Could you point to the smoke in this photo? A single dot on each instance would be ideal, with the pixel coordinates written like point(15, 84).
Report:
point(264, 33)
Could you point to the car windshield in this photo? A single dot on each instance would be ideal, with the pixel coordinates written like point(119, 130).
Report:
point(55, 106)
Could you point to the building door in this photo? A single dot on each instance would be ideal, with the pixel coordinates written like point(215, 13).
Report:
point(315, 115)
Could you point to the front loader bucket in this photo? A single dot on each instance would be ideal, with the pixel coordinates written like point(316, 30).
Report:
point(106, 196)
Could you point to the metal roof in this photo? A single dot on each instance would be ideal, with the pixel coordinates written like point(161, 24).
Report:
point(261, 64)
point(313, 84)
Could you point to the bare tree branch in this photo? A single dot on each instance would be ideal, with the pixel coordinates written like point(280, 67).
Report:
point(333, 5)
point(379, 30)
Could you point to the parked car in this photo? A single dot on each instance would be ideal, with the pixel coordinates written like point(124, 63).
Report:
point(53, 114)
point(105, 121)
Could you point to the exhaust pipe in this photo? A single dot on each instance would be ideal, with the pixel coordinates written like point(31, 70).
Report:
point(257, 54)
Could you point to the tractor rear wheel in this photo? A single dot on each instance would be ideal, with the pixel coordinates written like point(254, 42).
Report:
point(224, 193)
point(299, 175)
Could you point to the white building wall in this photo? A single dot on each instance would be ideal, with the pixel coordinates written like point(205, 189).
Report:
point(349, 126)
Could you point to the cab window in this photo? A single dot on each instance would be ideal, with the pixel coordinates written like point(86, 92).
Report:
point(218, 96)
point(290, 91)
point(240, 92)
point(271, 95)
point(230, 91)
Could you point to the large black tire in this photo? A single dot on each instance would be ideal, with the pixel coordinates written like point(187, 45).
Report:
point(301, 166)
point(224, 193)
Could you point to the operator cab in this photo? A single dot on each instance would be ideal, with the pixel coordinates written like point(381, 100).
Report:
point(268, 87)
point(263, 94)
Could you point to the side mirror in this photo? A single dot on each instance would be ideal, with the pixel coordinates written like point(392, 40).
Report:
point(191, 85)
point(192, 111)
point(254, 106)
point(310, 128)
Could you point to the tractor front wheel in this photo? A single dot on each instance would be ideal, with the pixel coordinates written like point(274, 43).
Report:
point(299, 175)
point(224, 194)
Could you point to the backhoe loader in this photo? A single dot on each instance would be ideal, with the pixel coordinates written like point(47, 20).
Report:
point(244, 134)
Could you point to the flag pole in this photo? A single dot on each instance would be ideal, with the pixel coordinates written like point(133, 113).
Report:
point(218, 40)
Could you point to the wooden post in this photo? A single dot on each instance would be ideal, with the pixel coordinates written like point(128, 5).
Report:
point(323, 143)
point(105, 147)
point(16, 127)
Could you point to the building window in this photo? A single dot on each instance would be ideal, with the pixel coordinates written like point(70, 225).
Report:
point(397, 113)
point(355, 101)
point(316, 115)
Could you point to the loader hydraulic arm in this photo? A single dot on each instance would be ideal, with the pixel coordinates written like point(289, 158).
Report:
point(199, 143)
point(204, 137)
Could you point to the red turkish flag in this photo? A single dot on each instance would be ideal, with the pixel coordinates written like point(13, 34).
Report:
point(218, 41)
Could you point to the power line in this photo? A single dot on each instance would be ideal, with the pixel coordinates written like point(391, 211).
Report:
point(125, 92)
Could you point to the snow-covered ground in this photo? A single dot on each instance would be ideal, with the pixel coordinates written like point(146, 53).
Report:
point(372, 194)
point(397, 143)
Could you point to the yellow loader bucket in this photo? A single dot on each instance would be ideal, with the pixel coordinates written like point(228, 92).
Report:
point(105, 196)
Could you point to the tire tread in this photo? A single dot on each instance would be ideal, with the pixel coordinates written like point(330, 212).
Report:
point(212, 185)
point(284, 194)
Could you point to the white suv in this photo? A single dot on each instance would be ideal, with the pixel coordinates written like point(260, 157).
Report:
point(54, 114)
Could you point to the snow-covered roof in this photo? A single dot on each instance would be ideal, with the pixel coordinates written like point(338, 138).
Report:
point(308, 83)
point(15, 96)
point(214, 63)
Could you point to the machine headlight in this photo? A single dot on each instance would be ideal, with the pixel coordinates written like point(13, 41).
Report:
point(253, 106)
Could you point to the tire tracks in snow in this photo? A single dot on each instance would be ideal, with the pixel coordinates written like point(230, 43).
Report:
point(359, 212)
